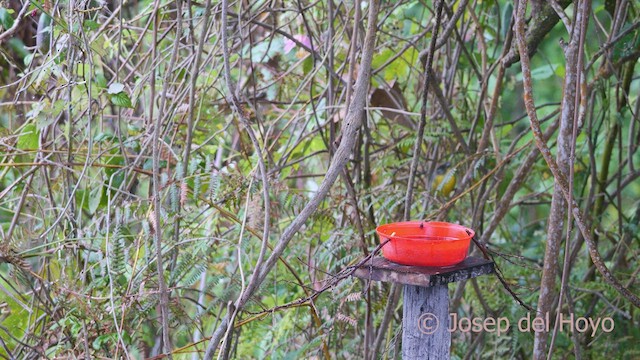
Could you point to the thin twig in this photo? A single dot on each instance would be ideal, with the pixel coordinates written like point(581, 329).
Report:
point(428, 74)
point(157, 206)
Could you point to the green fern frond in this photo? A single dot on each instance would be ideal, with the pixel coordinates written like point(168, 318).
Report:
point(197, 185)
point(214, 186)
point(177, 174)
point(194, 275)
point(174, 192)
point(117, 253)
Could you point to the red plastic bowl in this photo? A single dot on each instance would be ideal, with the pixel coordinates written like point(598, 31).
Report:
point(423, 243)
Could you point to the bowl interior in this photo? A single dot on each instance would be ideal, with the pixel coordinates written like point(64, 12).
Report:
point(422, 237)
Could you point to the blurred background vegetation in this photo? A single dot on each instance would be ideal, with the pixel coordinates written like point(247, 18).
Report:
point(85, 87)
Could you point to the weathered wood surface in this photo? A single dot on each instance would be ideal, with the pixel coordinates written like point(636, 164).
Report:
point(381, 269)
point(425, 323)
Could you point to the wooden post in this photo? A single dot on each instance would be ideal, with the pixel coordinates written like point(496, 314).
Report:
point(425, 308)
point(425, 314)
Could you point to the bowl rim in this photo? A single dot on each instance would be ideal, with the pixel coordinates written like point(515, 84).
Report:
point(385, 235)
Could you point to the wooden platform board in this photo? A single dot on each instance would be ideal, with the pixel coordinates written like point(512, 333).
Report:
point(381, 269)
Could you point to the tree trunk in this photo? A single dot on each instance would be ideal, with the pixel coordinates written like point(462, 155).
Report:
point(557, 215)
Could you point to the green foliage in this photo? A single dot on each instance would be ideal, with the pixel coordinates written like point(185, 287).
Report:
point(627, 45)
point(6, 19)
point(121, 99)
point(28, 139)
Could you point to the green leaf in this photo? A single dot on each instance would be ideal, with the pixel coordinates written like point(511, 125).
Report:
point(381, 58)
point(627, 44)
point(415, 12)
point(100, 81)
point(102, 137)
point(113, 160)
point(6, 20)
point(90, 201)
point(28, 139)
point(265, 50)
point(507, 13)
point(103, 340)
point(91, 25)
point(122, 99)
point(45, 28)
point(17, 46)
point(544, 72)
point(114, 172)
point(36, 108)
point(95, 199)
point(307, 65)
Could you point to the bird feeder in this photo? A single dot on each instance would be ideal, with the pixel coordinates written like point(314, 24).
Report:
point(425, 309)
